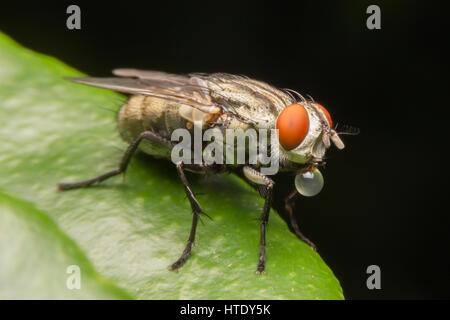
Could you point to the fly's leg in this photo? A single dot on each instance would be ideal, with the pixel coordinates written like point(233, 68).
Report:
point(196, 209)
point(289, 206)
point(262, 180)
point(146, 135)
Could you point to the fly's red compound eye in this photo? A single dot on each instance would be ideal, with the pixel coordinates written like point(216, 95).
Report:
point(292, 125)
point(327, 114)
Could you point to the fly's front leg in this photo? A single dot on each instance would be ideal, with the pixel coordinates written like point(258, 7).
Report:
point(146, 135)
point(289, 206)
point(262, 180)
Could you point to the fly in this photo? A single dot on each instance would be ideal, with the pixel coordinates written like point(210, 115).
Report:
point(161, 103)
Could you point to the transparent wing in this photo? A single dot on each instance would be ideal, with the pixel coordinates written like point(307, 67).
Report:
point(190, 84)
point(181, 89)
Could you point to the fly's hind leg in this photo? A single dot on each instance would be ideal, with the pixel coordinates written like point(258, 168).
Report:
point(146, 135)
point(262, 180)
point(289, 206)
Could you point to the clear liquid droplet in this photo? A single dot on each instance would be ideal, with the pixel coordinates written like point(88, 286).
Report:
point(309, 183)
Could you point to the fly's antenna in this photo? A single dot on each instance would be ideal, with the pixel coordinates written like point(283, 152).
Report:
point(302, 98)
point(347, 130)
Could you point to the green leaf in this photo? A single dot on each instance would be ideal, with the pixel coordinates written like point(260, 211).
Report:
point(36, 257)
point(129, 230)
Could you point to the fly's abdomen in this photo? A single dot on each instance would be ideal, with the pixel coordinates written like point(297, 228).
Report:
point(143, 113)
point(161, 116)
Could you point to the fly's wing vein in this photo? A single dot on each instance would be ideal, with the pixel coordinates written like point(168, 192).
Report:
point(152, 75)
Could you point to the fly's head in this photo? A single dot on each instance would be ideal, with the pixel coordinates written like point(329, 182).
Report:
point(305, 132)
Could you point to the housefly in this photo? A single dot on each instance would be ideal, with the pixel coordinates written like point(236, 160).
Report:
point(160, 103)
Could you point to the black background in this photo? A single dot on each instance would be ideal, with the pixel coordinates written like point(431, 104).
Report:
point(382, 202)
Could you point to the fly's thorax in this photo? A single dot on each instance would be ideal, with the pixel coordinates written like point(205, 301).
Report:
point(230, 121)
point(256, 102)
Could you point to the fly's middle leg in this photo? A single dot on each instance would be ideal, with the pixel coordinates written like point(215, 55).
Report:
point(196, 210)
point(146, 135)
point(262, 180)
